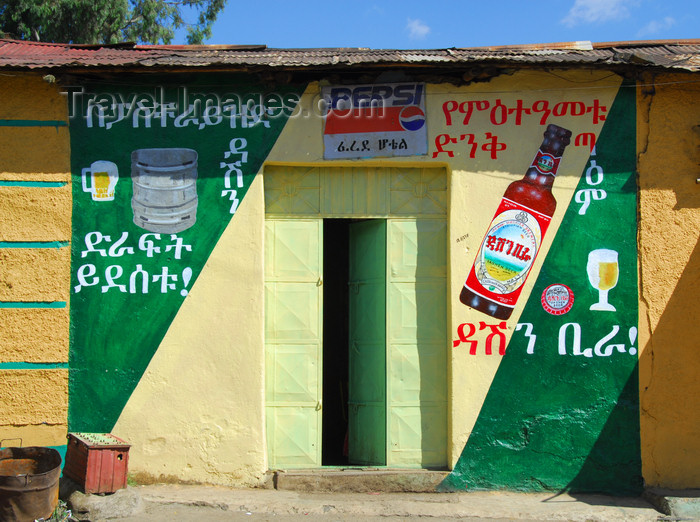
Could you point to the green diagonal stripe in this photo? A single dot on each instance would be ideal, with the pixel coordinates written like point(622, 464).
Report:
point(116, 330)
point(554, 417)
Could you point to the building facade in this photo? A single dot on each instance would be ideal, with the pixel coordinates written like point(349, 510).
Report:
point(244, 259)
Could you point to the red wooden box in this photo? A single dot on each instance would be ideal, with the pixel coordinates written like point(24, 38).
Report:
point(97, 461)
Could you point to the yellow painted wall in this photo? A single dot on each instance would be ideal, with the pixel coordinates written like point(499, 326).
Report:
point(669, 256)
point(34, 213)
point(34, 274)
point(31, 397)
point(33, 402)
point(30, 335)
point(198, 412)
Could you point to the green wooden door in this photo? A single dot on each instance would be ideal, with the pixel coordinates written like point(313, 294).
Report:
point(293, 341)
point(367, 343)
point(416, 343)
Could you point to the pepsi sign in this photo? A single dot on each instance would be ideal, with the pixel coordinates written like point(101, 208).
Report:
point(365, 121)
point(412, 118)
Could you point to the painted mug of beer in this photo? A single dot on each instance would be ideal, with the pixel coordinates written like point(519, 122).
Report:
point(100, 180)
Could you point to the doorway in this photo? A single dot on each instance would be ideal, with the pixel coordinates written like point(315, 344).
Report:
point(354, 342)
point(355, 326)
point(336, 264)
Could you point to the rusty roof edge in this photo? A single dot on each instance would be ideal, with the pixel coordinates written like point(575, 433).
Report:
point(664, 54)
point(584, 45)
point(144, 47)
point(153, 65)
point(243, 47)
point(646, 43)
point(581, 45)
point(32, 42)
point(120, 45)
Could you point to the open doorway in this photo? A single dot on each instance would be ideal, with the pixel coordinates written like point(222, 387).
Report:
point(354, 343)
point(335, 342)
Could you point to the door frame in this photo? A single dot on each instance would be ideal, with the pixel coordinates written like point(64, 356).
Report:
point(332, 173)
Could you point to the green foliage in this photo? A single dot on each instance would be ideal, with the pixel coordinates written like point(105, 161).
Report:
point(107, 21)
point(61, 513)
point(131, 481)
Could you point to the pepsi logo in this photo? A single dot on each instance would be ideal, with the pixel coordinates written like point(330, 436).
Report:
point(412, 118)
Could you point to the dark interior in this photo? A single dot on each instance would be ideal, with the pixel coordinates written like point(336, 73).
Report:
point(335, 341)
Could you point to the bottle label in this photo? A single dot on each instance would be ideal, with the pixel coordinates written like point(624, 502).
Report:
point(507, 253)
point(546, 163)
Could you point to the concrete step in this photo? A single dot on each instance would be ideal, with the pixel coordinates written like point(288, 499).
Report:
point(683, 504)
point(359, 480)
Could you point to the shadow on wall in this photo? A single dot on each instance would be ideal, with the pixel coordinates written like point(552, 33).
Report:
point(670, 392)
point(618, 437)
point(538, 451)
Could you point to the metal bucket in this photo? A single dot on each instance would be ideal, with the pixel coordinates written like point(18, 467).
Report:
point(165, 189)
point(28, 483)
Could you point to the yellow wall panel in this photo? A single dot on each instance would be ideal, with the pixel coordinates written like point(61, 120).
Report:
point(669, 254)
point(35, 213)
point(29, 97)
point(34, 151)
point(37, 335)
point(35, 435)
point(34, 176)
point(34, 274)
point(354, 191)
point(33, 397)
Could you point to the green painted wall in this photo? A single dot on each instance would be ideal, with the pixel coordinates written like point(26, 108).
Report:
point(129, 282)
point(563, 410)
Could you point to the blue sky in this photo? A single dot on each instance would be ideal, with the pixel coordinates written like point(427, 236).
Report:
point(429, 24)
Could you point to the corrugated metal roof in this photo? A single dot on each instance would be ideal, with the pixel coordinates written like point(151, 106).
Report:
point(666, 54)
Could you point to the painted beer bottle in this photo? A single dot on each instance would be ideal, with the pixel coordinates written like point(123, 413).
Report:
point(515, 234)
